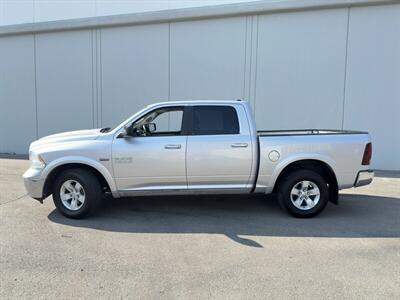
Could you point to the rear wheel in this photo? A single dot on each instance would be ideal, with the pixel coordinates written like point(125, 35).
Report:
point(76, 193)
point(303, 193)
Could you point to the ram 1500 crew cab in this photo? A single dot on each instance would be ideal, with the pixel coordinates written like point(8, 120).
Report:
point(197, 147)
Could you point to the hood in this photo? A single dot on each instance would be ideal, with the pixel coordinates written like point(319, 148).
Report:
point(70, 136)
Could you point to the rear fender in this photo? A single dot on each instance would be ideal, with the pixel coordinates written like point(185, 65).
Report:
point(289, 160)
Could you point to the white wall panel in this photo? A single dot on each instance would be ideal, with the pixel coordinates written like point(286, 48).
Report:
point(64, 81)
point(208, 59)
point(17, 94)
point(372, 100)
point(134, 70)
point(300, 69)
point(291, 66)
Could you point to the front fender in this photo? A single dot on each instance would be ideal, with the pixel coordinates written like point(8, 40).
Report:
point(84, 161)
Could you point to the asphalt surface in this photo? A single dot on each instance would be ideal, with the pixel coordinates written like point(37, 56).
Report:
point(200, 247)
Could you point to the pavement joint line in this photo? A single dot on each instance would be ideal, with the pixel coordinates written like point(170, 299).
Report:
point(10, 174)
point(18, 198)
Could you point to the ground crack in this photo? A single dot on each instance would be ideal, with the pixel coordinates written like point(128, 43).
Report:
point(18, 198)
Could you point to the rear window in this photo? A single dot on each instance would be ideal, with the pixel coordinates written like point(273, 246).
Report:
point(209, 120)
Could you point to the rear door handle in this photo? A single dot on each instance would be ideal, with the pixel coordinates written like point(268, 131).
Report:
point(239, 145)
point(172, 146)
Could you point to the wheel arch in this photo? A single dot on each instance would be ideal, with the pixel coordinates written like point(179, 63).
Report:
point(317, 165)
point(95, 168)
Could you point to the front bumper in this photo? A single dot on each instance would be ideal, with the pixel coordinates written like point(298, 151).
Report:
point(34, 184)
point(364, 178)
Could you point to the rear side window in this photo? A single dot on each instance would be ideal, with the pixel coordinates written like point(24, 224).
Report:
point(209, 120)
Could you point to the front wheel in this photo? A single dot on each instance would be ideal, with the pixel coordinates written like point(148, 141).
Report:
point(76, 193)
point(303, 193)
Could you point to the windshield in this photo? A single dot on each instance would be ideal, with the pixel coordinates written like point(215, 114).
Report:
point(118, 125)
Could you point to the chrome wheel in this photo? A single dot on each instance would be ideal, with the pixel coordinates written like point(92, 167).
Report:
point(72, 195)
point(305, 195)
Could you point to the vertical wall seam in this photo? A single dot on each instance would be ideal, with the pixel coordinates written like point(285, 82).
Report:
point(35, 83)
point(345, 67)
point(93, 78)
point(97, 79)
point(100, 96)
point(169, 61)
point(169, 71)
point(251, 59)
point(245, 59)
point(256, 62)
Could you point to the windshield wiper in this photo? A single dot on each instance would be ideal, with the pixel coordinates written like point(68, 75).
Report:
point(105, 129)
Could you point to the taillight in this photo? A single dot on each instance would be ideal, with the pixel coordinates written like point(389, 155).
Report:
point(367, 155)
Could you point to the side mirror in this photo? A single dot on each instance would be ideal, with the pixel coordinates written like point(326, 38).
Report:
point(131, 131)
point(151, 127)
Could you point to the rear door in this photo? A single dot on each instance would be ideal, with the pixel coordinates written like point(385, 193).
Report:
point(219, 148)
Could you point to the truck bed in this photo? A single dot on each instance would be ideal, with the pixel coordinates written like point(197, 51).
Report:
point(341, 150)
point(307, 132)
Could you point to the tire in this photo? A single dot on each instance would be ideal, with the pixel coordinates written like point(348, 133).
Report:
point(300, 199)
point(76, 193)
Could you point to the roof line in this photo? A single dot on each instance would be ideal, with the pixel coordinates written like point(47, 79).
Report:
point(206, 101)
point(175, 15)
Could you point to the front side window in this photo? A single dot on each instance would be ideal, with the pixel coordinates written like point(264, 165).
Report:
point(165, 121)
point(213, 119)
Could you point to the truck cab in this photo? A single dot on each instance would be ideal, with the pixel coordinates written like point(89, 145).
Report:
point(201, 147)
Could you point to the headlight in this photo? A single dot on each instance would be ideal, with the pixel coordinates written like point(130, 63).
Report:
point(36, 160)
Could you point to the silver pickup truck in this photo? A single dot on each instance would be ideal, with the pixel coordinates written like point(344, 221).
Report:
point(197, 147)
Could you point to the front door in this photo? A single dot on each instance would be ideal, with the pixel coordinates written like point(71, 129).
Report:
point(154, 160)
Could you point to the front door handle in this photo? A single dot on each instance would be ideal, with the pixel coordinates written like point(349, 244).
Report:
point(173, 146)
point(239, 145)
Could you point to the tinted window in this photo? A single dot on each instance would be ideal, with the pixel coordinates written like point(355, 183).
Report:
point(215, 120)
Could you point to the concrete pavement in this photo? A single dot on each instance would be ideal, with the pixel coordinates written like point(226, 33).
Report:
point(200, 247)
